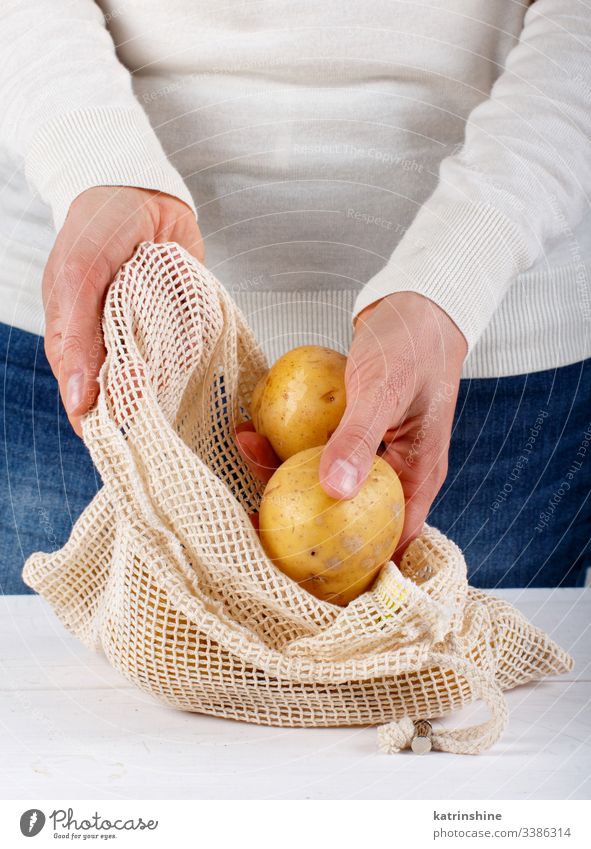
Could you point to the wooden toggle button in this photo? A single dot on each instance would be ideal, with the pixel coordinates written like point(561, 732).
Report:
point(421, 742)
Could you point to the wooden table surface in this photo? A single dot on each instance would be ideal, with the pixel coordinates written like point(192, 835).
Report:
point(73, 728)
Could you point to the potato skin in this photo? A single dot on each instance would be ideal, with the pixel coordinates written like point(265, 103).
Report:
point(332, 548)
point(255, 401)
point(301, 400)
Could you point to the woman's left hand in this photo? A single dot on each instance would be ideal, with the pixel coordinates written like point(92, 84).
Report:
point(402, 380)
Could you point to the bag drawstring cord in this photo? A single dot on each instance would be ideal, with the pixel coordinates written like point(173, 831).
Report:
point(400, 734)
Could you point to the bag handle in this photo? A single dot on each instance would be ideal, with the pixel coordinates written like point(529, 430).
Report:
point(471, 740)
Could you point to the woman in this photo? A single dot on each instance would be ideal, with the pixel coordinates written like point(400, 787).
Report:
point(424, 169)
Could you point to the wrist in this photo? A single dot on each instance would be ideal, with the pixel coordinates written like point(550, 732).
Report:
point(461, 255)
point(417, 310)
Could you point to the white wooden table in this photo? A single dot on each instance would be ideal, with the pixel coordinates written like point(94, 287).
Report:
point(72, 728)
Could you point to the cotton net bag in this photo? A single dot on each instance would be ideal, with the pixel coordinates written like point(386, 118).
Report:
point(165, 573)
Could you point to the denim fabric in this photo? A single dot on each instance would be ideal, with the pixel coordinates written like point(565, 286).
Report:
point(517, 495)
point(516, 499)
point(46, 474)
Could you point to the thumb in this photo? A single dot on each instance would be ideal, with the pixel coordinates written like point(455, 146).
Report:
point(192, 241)
point(180, 227)
point(76, 278)
point(349, 454)
point(73, 337)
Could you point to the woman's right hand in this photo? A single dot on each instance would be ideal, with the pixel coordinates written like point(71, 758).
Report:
point(103, 227)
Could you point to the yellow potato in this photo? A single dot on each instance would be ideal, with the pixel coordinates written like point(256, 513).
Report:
point(255, 401)
point(332, 548)
point(301, 400)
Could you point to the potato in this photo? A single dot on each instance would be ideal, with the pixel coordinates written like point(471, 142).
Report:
point(332, 548)
point(255, 401)
point(301, 400)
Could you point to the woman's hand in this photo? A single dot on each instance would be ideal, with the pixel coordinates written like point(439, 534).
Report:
point(402, 380)
point(103, 227)
point(256, 450)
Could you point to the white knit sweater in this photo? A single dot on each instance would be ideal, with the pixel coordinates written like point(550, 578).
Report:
point(336, 151)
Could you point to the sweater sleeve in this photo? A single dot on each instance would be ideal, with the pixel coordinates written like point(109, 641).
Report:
point(68, 109)
point(521, 179)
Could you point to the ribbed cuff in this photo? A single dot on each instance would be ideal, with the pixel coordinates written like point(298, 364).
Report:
point(462, 256)
point(102, 146)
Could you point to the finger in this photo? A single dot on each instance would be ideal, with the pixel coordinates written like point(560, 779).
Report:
point(87, 254)
point(381, 383)
point(351, 450)
point(416, 509)
point(258, 454)
point(180, 228)
point(73, 336)
point(192, 240)
point(76, 424)
point(421, 480)
point(242, 426)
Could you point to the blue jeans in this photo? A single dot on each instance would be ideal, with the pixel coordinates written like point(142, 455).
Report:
point(516, 499)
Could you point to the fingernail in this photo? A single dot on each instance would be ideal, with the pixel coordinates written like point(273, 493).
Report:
point(74, 391)
point(343, 476)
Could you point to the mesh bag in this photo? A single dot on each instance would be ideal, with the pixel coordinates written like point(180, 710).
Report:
point(165, 574)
